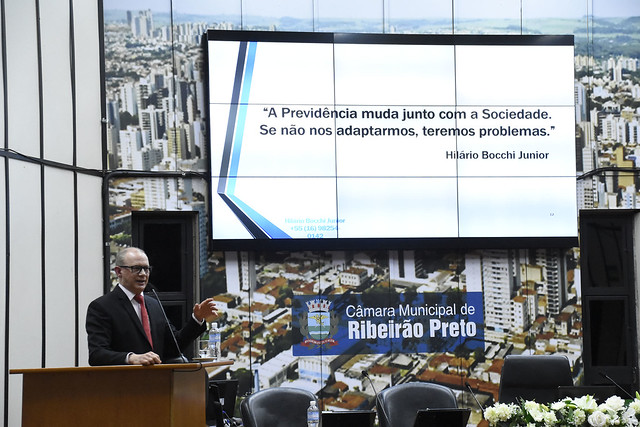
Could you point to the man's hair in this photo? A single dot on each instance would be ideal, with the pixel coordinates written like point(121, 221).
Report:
point(120, 255)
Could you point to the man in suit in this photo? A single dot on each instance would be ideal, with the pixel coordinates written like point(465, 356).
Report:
point(122, 330)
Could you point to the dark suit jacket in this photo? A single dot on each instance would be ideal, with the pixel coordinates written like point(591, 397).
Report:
point(114, 330)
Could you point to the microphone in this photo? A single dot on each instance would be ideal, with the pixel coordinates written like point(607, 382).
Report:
point(181, 358)
point(365, 374)
point(618, 386)
point(468, 386)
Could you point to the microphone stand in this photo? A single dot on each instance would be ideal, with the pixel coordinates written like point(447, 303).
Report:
point(468, 386)
point(365, 374)
point(182, 358)
point(618, 386)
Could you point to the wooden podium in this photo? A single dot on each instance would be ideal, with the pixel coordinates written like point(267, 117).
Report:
point(158, 395)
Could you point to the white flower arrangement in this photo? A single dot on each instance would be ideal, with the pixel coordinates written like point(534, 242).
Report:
point(579, 412)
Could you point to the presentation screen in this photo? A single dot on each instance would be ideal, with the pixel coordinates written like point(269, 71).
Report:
point(352, 140)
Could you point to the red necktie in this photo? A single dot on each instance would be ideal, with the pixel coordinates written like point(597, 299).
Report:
point(145, 317)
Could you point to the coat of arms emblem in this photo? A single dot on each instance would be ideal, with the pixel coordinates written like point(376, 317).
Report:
point(319, 324)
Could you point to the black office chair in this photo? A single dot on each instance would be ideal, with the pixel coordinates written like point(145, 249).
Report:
point(399, 405)
point(533, 378)
point(276, 407)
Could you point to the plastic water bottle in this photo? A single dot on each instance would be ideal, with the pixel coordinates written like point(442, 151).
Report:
point(313, 415)
point(214, 341)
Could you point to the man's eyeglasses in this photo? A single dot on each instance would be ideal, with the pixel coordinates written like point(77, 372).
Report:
point(136, 269)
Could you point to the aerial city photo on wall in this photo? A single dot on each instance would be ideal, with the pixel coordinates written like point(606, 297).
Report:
point(315, 317)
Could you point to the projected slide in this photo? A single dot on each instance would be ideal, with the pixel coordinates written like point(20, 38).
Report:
point(335, 136)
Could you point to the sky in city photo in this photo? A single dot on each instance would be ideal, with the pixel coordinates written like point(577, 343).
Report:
point(363, 9)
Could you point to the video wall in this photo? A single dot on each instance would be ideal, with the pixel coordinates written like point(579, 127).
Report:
point(384, 136)
point(264, 293)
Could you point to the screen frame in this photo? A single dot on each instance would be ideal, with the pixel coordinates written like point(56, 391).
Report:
point(489, 242)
